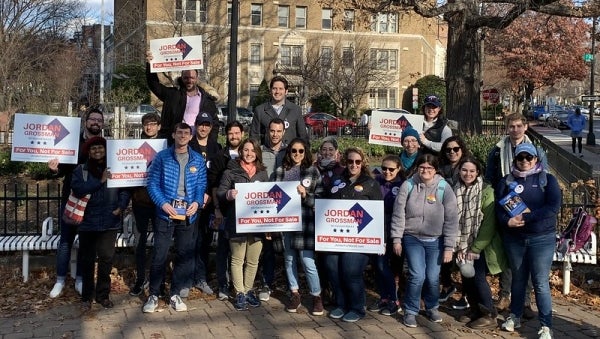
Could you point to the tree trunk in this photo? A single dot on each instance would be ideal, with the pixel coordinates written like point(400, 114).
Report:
point(463, 74)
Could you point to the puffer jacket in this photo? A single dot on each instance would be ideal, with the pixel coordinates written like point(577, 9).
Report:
point(235, 174)
point(163, 180)
point(103, 201)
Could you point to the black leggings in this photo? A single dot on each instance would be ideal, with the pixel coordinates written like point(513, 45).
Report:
point(579, 146)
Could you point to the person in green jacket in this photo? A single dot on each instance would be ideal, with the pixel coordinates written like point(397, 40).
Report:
point(479, 247)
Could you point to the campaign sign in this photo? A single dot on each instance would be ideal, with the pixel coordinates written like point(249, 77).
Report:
point(127, 161)
point(40, 138)
point(176, 54)
point(268, 207)
point(387, 127)
point(347, 226)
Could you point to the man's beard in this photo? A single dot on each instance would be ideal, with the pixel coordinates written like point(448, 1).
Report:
point(94, 130)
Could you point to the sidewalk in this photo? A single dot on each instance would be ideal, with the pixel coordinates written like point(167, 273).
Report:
point(591, 154)
point(217, 319)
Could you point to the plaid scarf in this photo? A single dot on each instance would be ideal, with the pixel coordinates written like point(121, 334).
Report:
point(469, 211)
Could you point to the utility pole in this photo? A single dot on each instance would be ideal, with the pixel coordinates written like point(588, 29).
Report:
point(591, 137)
point(232, 88)
point(102, 52)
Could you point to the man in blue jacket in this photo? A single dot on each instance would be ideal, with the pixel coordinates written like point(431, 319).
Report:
point(576, 123)
point(176, 185)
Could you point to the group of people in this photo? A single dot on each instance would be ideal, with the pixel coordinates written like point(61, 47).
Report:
point(441, 209)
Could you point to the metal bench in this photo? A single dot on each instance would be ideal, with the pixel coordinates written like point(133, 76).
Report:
point(49, 241)
point(586, 255)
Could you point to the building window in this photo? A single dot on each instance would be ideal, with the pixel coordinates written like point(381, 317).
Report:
point(326, 18)
point(348, 57)
point(384, 59)
point(326, 58)
point(191, 10)
point(385, 23)
point(90, 42)
point(349, 20)
point(255, 54)
point(300, 17)
point(283, 16)
point(291, 56)
point(229, 10)
point(256, 15)
point(253, 92)
point(382, 97)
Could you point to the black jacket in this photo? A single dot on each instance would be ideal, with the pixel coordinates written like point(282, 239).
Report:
point(364, 188)
point(174, 101)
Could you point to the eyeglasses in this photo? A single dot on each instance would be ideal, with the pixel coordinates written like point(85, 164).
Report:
point(452, 149)
point(522, 157)
point(353, 161)
point(95, 119)
point(388, 169)
point(151, 124)
point(426, 168)
point(298, 150)
point(410, 141)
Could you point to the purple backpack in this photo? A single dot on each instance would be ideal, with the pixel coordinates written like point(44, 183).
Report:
point(577, 233)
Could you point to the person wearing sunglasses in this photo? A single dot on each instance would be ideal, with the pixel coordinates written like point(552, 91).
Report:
point(425, 228)
point(298, 166)
point(529, 237)
point(454, 149)
point(390, 179)
point(344, 269)
point(480, 245)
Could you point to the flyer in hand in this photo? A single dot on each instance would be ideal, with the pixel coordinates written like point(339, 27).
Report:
point(513, 204)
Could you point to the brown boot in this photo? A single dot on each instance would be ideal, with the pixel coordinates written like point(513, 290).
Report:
point(317, 306)
point(486, 321)
point(503, 303)
point(294, 303)
point(469, 316)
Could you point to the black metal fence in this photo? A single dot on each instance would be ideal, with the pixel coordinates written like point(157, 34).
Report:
point(24, 206)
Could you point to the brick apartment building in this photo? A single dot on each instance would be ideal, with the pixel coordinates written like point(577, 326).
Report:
point(288, 37)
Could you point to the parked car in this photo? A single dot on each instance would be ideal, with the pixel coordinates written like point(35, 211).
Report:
point(244, 115)
point(318, 122)
point(133, 115)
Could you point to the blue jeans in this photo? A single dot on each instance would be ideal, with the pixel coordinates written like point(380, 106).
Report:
point(308, 262)
point(384, 277)
point(477, 288)
point(531, 256)
point(346, 277)
point(184, 254)
point(424, 260)
point(143, 215)
point(65, 244)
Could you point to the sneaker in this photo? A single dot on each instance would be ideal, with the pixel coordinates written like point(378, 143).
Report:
point(378, 305)
point(511, 323)
point(178, 304)
point(410, 320)
point(203, 286)
point(79, 286)
point(240, 303)
point(434, 315)
point(503, 303)
point(151, 304)
point(265, 293)
point(294, 303)
point(545, 333)
point(528, 313)
point(338, 313)
point(462, 304)
point(252, 300)
point(317, 305)
point(445, 294)
point(223, 293)
point(351, 317)
point(184, 292)
point(57, 289)
point(137, 289)
point(391, 309)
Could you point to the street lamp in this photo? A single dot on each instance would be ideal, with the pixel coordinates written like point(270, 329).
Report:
point(591, 137)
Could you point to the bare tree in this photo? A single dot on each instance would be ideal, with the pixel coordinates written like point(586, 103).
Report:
point(344, 71)
point(34, 44)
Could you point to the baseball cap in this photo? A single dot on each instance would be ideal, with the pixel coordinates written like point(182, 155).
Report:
point(202, 118)
point(432, 100)
point(526, 148)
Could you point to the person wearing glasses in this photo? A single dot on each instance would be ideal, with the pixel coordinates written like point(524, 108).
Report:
point(435, 129)
point(454, 150)
point(390, 179)
point(411, 150)
point(529, 236)
point(424, 227)
point(298, 166)
point(344, 269)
